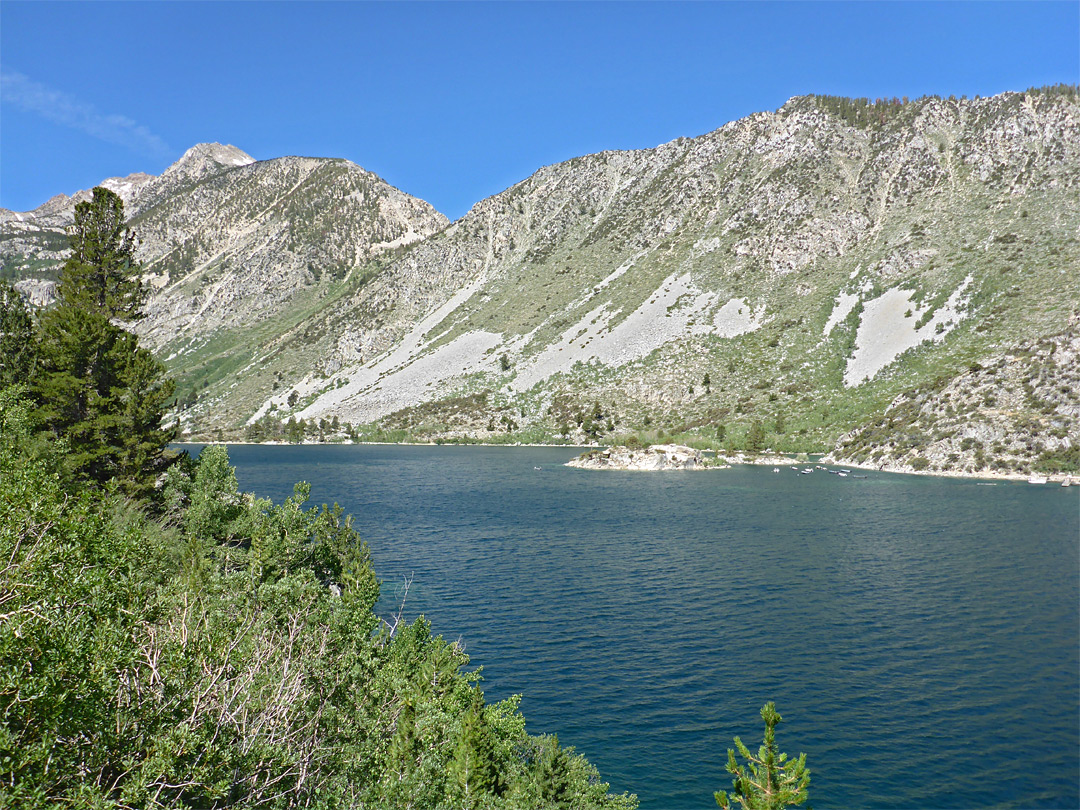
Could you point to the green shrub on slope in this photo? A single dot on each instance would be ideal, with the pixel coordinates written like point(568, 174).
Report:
point(228, 654)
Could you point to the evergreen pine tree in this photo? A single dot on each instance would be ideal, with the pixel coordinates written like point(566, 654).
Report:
point(474, 766)
point(773, 781)
point(101, 274)
point(551, 770)
point(95, 387)
point(755, 437)
point(18, 352)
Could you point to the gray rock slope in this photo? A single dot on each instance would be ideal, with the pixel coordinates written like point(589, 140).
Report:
point(810, 266)
point(800, 269)
point(227, 241)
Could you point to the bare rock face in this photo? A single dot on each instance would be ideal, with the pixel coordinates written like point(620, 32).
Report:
point(654, 458)
point(227, 241)
point(800, 269)
point(38, 293)
point(251, 242)
point(205, 159)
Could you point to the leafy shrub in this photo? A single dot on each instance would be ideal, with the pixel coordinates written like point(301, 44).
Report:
point(229, 654)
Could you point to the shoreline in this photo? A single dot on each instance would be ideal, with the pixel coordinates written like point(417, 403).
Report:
point(762, 461)
point(389, 444)
point(1051, 478)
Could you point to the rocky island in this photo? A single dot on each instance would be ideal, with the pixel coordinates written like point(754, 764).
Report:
point(668, 457)
point(654, 457)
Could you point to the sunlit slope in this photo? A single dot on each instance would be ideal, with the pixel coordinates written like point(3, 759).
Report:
point(800, 269)
point(236, 250)
point(812, 265)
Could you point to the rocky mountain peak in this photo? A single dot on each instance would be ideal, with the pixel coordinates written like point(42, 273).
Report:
point(127, 188)
point(205, 159)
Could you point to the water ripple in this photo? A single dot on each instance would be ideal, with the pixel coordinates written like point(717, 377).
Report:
point(919, 636)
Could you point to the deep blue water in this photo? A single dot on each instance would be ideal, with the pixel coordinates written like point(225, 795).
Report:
point(920, 636)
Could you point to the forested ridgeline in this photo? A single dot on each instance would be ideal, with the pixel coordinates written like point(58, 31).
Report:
point(167, 641)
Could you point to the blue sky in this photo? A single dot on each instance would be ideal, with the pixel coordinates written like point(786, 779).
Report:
point(454, 102)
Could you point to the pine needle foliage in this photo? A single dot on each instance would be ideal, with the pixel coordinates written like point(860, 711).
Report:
point(768, 781)
point(102, 274)
point(18, 352)
point(96, 388)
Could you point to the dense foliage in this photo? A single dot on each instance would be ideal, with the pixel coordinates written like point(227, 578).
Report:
point(17, 345)
point(166, 641)
point(228, 653)
point(94, 386)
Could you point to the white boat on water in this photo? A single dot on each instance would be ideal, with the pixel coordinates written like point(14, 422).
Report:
point(1067, 482)
point(1038, 479)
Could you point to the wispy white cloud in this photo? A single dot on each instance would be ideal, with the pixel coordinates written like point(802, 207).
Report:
point(68, 111)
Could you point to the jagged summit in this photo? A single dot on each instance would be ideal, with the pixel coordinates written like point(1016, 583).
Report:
point(60, 207)
point(207, 158)
point(126, 187)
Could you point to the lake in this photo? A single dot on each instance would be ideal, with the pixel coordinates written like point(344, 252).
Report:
point(919, 635)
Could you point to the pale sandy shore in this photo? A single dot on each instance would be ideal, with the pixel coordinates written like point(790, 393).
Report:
point(738, 458)
point(1051, 478)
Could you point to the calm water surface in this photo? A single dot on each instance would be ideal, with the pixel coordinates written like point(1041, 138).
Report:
point(920, 636)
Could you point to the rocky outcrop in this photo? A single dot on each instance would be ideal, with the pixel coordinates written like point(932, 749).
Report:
point(654, 458)
point(1010, 415)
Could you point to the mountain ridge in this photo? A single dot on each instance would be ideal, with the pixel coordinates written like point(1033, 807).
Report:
point(811, 264)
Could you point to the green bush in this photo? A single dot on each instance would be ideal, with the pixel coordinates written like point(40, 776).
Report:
point(228, 653)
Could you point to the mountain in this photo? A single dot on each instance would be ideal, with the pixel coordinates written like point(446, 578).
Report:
point(800, 269)
point(233, 247)
point(1016, 412)
point(33, 241)
point(812, 263)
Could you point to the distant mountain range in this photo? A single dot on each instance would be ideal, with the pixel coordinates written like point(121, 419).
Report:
point(803, 269)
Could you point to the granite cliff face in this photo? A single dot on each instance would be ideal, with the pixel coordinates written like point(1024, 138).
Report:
point(798, 269)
